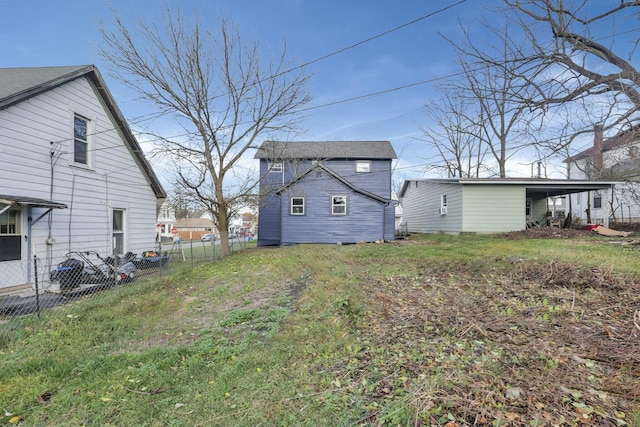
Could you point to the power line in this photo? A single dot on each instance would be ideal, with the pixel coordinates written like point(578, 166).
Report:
point(142, 118)
point(377, 36)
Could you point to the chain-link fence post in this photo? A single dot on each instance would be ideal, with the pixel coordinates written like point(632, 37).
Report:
point(35, 270)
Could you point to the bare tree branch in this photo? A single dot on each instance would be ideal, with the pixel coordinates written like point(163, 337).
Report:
point(219, 90)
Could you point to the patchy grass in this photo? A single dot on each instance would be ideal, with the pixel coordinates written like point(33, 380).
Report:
point(435, 330)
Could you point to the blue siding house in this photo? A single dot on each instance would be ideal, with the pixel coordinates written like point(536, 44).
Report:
point(325, 192)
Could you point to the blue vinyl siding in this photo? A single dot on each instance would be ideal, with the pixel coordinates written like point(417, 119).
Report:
point(269, 217)
point(366, 220)
point(363, 221)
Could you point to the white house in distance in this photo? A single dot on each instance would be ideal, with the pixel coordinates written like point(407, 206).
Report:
point(166, 221)
point(72, 176)
point(616, 158)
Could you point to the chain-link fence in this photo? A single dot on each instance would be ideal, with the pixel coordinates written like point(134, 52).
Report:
point(28, 287)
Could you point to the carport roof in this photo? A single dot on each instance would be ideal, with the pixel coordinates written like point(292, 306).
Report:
point(535, 187)
point(30, 202)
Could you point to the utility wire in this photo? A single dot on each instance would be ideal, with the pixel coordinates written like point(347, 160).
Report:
point(142, 118)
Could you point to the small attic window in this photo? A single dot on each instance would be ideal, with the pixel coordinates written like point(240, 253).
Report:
point(275, 167)
point(363, 166)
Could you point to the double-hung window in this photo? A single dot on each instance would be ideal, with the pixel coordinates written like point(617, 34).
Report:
point(118, 231)
point(297, 206)
point(80, 140)
point(597, 200)
point(338, 205)
point(10, 236)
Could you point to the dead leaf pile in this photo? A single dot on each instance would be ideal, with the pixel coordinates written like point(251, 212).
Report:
point(543, 345)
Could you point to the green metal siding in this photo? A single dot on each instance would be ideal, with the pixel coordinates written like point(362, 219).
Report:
point(493, 208)
point(539, 208)
point(452, 221)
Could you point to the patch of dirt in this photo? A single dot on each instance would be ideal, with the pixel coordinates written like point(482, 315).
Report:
point(538, 345)
point(549, 233)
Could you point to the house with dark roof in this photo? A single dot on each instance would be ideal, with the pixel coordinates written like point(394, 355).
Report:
point(325, 192)
point(73, 176)
point(614, 158)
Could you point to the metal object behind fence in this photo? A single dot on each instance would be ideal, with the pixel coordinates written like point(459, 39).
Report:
point(92, 273)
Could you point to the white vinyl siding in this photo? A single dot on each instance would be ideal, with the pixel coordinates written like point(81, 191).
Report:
point(114, 180)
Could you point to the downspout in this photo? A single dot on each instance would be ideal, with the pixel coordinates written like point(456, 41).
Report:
point(73, 186)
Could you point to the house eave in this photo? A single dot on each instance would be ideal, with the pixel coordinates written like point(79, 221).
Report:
point(92, 73)
point(548, 187)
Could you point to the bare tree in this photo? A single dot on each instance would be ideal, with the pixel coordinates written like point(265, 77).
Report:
point(573, 56)
point(219, 90)
point(452, 136)
point(494, 99)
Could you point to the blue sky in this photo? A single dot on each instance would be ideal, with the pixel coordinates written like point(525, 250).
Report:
point(66, 32)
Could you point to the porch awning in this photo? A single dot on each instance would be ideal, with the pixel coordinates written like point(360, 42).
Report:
point(33, 202)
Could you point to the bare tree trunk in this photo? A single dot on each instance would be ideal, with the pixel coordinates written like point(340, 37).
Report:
point(220, 91)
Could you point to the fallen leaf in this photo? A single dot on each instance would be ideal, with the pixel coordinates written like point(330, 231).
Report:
point(44, 397)
point(16, 419)
point(511, 416)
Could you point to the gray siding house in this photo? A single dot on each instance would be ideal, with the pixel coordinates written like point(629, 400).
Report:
point(325, 192)
point(72, 176)
point(483, 205)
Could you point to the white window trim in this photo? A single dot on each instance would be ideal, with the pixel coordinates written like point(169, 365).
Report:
point(292, 206)
point(122, 232)
point(597, 195)
point(443, 204)
point(91, 130)
point(363, 166)
point(334, 205)
point(15, 233)
point(276, 167)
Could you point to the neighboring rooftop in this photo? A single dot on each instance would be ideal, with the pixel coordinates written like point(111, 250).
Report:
point(326, 150)
point(621, 139)
point(19, 84)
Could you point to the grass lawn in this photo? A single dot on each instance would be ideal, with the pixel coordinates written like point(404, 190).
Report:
point(434, 330)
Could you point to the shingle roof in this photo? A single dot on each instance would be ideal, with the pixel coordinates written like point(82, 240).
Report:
point(624, 137)
point(326, 150)
point(19, 84)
